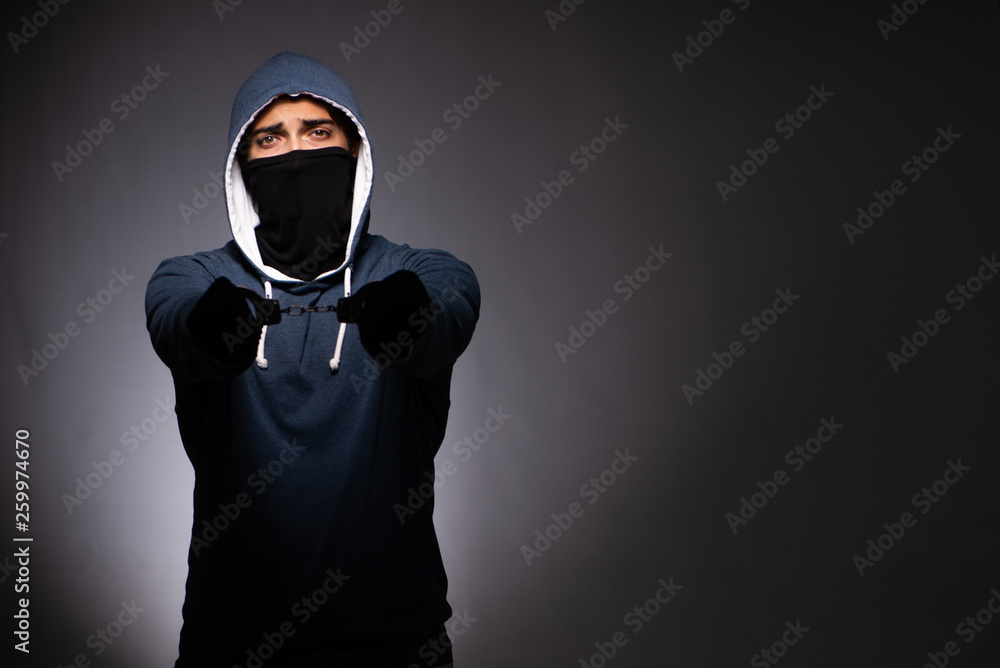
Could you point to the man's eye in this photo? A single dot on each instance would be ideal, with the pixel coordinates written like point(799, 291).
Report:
point(266, 140)
point(320, 132)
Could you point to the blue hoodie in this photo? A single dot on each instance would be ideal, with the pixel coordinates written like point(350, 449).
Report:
point(305, 550)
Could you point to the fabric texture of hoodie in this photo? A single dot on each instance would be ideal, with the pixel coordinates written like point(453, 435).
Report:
point(301, 551)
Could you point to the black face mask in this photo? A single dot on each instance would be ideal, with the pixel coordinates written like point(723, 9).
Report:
point(304, 200)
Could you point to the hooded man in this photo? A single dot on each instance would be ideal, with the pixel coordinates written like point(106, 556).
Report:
point(306, 435)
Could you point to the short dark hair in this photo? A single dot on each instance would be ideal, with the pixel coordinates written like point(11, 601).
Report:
point(340, 119)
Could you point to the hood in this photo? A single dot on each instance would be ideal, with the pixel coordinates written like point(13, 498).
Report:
point(290, 73)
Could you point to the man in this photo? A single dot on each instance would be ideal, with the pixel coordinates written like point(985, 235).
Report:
point(306, 434)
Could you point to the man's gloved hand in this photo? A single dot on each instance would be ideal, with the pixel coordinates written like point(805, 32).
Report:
point(384, 311)
point(223, 326)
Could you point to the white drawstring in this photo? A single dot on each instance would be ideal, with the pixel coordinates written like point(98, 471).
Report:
point(335, 360)
point(261, 360)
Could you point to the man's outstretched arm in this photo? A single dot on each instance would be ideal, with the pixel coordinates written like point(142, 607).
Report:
point(200, 324)
point(420, 318)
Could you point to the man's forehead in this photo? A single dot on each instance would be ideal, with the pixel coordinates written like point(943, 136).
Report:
point(313, 107)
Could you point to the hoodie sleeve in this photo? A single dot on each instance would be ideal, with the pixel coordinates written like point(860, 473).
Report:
point(173, 290)
point(445, 329)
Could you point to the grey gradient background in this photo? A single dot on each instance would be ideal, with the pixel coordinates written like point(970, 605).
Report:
point(663, 518)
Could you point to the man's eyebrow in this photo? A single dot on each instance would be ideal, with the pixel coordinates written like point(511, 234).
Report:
point(309, 123)
point(318, 121)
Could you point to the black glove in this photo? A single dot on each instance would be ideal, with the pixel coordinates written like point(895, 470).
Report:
point(223, 326)
point(390, 314)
